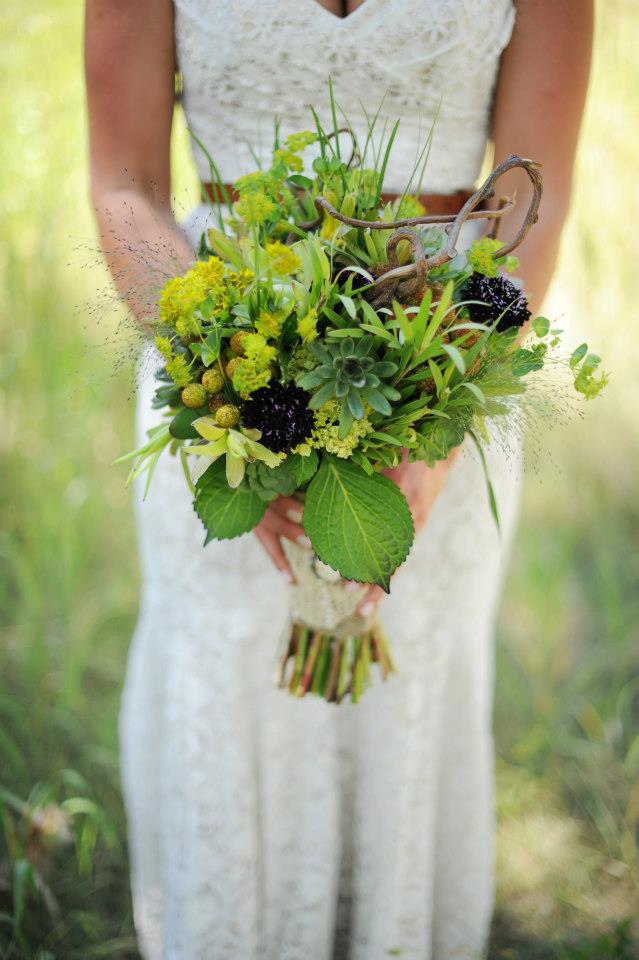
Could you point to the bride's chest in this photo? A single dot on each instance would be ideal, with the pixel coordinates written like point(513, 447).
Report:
point(388, 34)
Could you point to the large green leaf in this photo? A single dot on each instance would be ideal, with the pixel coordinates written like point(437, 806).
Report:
point(358, 524)
point(225, 512)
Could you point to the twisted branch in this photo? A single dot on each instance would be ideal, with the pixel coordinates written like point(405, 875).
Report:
point(354, 151)
point(453, 225)
point(424, 220)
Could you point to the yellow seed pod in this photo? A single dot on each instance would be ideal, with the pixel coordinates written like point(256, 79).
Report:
point(236, 341)
point(213, 380)
point(194, 396)
point(232, 366)
point(227, 416)
point(216, 402)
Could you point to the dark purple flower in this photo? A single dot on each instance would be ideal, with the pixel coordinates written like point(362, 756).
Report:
point(280, 412)
point(499, 298)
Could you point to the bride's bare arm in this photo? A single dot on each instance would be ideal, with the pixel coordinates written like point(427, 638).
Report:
point(539, 102)
point(130, 67)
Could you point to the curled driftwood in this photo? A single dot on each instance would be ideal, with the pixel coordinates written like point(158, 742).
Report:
point(412, 283)
point(380, 289)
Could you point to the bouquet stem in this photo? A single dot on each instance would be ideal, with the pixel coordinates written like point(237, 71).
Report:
point(333, 666)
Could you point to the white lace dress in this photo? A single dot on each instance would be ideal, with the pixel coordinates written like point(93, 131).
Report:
point(261, 826)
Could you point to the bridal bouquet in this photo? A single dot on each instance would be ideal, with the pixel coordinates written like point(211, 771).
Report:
point(319, 338)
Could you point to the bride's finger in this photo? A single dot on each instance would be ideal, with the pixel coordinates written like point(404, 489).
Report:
point(289, 507)
point(284, 528)
point(370, 600)
point(270, 542)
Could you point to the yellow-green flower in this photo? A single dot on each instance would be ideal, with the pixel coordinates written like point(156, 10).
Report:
point(178, 370)
point(188, 326)
point(300, 361)
point(300, 140)
point(480, 256)
point(257, 180)
point(304, 449)
point(283, 259)
point(210, 272)
point(163, 344)
point(248, 376)
point(239, 281)
point(410, 206)
point(238, 445)
point(257, 349)
point(270, 323)
point(255, 207)
point(307, 326)
point(180, 296)
point(325, 434)
point(289, 159)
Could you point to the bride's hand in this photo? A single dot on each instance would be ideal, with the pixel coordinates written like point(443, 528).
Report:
point(420, 485)
point(283, 518)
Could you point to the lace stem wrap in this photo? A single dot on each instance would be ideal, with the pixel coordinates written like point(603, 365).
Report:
point(328, 649)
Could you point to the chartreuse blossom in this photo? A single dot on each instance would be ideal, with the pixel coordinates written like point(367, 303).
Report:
point(480, 257)
point(289, 159)
point(181, 296)
point(239, 446)
point(283, 259)
point(253, 370)
point(178, 369)
point(295, 143)
point(257, 349)
point(255, 207)
point(269, 323)
point(325, 434)
point(307, 326)
point(301, 140)
point(163, 344)
point(239, 281)
point(410, 206)
point(188, 327)
point(248, 377)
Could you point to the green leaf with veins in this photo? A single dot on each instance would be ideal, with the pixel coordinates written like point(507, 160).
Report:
point(358, 524)
point(225, 512)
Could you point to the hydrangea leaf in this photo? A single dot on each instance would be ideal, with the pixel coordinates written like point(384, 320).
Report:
point(225, 512)
point(358, 524)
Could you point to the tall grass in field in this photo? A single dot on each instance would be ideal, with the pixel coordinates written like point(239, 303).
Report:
point(568, 647)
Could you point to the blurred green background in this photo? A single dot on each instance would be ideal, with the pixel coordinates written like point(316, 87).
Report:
point(568, 647)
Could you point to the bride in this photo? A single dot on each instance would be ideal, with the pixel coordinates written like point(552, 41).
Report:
point(261, 826)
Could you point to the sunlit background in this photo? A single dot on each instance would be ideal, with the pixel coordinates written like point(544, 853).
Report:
point(567, 701)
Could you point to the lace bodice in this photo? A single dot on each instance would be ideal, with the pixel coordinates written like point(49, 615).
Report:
point(245, 61)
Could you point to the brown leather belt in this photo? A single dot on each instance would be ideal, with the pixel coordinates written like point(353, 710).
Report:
point(444, 204)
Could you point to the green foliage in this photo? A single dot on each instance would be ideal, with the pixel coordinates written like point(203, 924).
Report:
point(371, 528)
point(291, 475)
point(181, 426)
point(586, 381)
point(225, 512)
